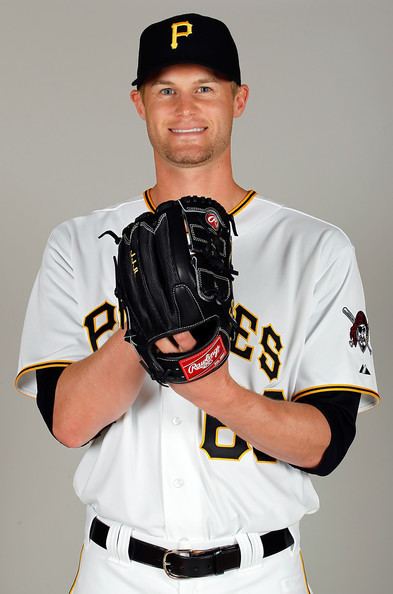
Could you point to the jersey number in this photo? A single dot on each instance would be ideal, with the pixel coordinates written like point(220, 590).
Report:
point(214, 433)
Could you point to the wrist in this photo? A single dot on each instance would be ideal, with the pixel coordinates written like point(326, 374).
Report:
point(223, 396)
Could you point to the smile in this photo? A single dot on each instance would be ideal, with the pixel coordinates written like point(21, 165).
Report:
point(187, 131)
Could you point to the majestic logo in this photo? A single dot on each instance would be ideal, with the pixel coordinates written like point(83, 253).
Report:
point(176, 33)
point(212, 220)
point(204, 361)
point(359, 333)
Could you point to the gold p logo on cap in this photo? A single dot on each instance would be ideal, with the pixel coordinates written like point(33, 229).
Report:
point(176, 33)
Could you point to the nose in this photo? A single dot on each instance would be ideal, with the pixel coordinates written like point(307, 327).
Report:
point(185, 104)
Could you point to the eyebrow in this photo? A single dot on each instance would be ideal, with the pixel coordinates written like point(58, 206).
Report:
point(199, 81)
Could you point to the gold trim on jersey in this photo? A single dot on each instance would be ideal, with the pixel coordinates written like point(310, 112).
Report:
point(336, 388)
point(304, 573)
point(224, 445)
point(235, 210)
point(35, 367)
point(270, 352)
point(246, 346)
point(149, 200)
point(249, 449)
point(243, 203)
point(77, 572)
point(201, 445)
point(94, 315)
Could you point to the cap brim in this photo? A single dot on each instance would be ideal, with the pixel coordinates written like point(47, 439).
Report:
point(225, 75)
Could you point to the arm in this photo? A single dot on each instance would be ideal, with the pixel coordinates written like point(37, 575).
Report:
point(96, 391)
point(293, 432)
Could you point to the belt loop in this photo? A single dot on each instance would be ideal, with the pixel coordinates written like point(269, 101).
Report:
point(123, 544)
point(90, 516)
point(251, 549)
point(112, 540)
point(245, 550)
point(256, 548)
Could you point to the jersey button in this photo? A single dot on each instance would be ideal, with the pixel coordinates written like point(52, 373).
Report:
point(178, 483)
point(176, 420)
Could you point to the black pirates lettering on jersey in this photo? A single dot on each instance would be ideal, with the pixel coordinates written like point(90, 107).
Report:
point(243, 317)
point(270, 360)
point(91, 322)
point(270, 341)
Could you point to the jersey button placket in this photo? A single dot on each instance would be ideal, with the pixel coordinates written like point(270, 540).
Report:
point(180, 466)
point(178, 483)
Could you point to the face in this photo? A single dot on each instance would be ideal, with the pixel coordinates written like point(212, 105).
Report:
point(362, 336)
point(189, 114)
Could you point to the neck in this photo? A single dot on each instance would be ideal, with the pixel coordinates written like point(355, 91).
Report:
point(213, 180)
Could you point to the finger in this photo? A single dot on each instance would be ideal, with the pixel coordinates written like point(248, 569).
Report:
point(165, 345)
point(185, 340)
point(178, 343)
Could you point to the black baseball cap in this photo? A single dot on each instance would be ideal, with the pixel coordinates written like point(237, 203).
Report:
point(188, 39)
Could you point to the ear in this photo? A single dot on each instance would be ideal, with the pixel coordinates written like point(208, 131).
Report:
point(240, 100)
point(137, 100)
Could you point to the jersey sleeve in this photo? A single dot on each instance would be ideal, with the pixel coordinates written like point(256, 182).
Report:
point(337, 354)
point(53, 336)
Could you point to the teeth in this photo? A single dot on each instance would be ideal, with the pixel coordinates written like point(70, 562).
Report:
point(188, 131)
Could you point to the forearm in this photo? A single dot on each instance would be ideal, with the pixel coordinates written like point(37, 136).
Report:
point(289, 431)
point(96, 391)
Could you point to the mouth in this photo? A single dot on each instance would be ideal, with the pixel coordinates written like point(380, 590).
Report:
point(187, 130)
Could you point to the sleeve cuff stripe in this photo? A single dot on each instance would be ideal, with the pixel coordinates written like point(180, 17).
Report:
point(44, 365)
point(336, 388)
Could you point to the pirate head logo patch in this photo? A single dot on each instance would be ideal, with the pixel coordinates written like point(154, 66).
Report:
point(359, 333)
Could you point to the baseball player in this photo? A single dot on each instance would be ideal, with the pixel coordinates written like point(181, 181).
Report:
point(206, 480)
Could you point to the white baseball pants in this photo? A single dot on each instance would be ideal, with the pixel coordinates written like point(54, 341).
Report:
point(104, 571)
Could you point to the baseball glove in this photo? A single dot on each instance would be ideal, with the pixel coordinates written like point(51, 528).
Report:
point(173, 274)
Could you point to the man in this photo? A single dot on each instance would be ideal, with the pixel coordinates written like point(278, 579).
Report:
point(206, 480)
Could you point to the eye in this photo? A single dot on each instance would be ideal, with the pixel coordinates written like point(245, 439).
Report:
point(204, 89)
point(167, 91)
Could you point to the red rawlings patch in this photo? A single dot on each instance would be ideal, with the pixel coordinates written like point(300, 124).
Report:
point(212, 220)
point(205, 361)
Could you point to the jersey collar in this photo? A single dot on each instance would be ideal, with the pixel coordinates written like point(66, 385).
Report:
point(234, 211)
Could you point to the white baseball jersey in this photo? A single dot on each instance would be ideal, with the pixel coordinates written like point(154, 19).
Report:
point(166, 468)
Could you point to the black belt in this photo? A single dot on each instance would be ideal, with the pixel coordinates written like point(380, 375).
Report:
point(181, 563)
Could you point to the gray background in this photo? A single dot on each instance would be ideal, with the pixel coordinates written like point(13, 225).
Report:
point(317, 136)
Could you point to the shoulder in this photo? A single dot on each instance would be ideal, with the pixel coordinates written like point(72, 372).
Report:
point(303, 231)
point(87, 227)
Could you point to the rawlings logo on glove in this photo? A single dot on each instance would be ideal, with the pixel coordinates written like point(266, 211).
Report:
point(206, 361)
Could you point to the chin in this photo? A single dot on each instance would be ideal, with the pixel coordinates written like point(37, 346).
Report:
point(189, 159)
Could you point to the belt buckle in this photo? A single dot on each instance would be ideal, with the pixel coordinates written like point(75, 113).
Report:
point(166, 563)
